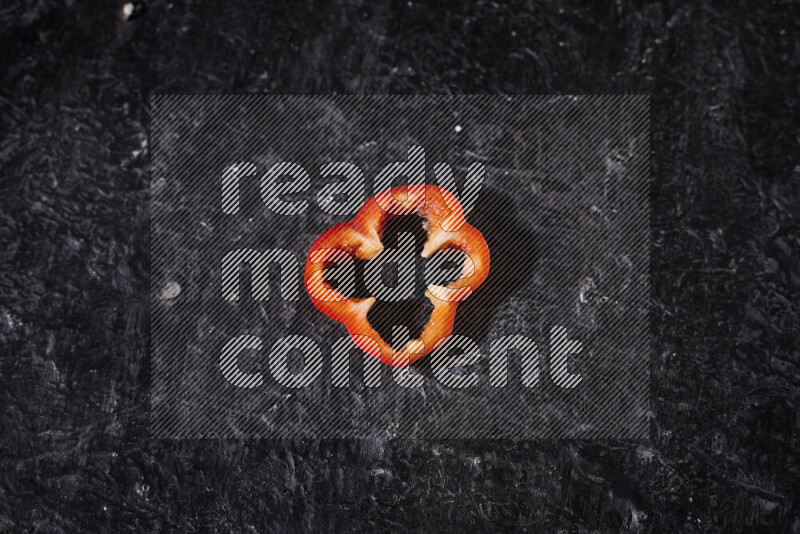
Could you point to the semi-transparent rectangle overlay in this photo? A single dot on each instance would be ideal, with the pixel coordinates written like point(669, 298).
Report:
point(552, 342)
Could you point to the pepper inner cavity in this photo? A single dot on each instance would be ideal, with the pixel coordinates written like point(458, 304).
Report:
point(412, 313)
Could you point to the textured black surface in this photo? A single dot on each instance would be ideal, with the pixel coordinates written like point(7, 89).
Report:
point(74, 266)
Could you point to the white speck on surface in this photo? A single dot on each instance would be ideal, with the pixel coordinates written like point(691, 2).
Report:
point(170, 291)
point(127, 10)
point(458, 128)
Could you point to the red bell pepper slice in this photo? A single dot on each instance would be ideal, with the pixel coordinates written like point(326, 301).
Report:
point(360, 239)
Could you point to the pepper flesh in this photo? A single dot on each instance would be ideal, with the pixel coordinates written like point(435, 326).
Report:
point(360, 238)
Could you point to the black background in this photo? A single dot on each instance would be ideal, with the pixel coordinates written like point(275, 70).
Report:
point(74, 260)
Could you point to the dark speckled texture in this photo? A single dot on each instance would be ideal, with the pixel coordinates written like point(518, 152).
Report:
point(74, 85)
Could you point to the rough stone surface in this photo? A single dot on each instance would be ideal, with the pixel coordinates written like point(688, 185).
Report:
point(74, 258)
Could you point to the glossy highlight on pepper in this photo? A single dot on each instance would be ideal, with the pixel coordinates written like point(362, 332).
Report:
point(360, 238)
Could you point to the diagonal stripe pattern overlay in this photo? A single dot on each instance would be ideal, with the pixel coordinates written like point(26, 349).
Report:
point(554, 344)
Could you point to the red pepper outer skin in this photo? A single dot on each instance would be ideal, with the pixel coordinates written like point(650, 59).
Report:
point(361, 239)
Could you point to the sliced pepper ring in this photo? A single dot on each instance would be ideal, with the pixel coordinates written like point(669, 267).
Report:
point(360, 238)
